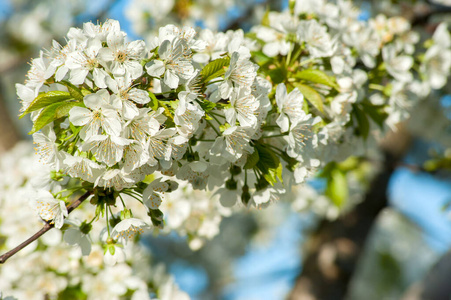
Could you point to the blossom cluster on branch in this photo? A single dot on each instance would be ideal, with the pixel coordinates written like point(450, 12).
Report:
point(243, 116)
point(50, 267)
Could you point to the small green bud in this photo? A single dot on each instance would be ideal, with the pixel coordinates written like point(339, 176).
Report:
point(190, 157)
point(231, 184)
point(156, 214)
point(235, 170)
point(112, 249)
point(56, 175)
point(172, 186)
point(193, 141)
point(245, 195)
point(85, 227)
point(126, 214)
point(261, 184)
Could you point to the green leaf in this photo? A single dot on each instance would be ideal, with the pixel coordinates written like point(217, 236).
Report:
point(214, 69)
point(206, 105)
point(74, 91)
point(273, 173)
point(260, 58)
point(376, 113)
point(279, 172)
point(317, 76)
point(278, 75)
point(312, 96)
point(267, 157)
point(174, 104)
point(154, 101)
point(252, 160)
point(46, 116)
point(291, 162)
point(63, 109)
point(362, 121)
point(46, 99)
point(53, 112)
point(265, 19)
point(337, 188)
point(268, 163)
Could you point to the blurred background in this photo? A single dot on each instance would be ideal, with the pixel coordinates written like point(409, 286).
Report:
point(392, 241)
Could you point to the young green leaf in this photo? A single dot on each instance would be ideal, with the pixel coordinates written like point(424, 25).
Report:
point(317, 76)
point(63, 109)
point(362, 121)
point(74, 91)
point(53, 112)
point(206, 105)
point(46, 99)
point(312, 96)
point(268, 164)
point(252, 160)
point(376, 113)
point(214, 69)
point(278, 75)
point(46, 116)
point(153, 101)
point(337, 188)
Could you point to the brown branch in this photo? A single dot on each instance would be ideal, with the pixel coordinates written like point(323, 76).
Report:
point(43, 230)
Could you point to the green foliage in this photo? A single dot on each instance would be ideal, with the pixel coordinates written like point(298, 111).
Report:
point(268, 164)
point(278, 75)
point(46, 99)
point(214, 69)
point(63, 108)
point(317, 76)
point(337, 186)
point(312, 96)
point(363, 128)
point(53, 112)
point(261, 59)
point(74, 91)
point(376, 112)
point(252, 160)
point(206, 105)
point(153, 101)
point(72, 292)
point(156, 216)
point(265, 18)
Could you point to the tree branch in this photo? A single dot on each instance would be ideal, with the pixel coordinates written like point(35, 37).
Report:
point(43, 230)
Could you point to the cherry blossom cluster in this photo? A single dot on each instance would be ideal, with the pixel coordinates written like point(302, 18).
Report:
point(242, 116)
point(51, 267)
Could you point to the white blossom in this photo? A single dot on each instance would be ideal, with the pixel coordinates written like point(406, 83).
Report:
point(51, 209)
point(241, 72)
point(244, 108)
point(290, 106)
point(123, 58)
point(174, 63)
point(127, 229)
point(99, 113)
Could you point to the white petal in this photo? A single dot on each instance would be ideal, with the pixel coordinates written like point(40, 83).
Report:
point(171, 79)
point(283, 122)
point(155, 68)
point(79, 116)
point(78, 76)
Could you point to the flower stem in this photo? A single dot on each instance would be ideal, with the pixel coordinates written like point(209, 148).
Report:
point(211, 125)
point(107, 223)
